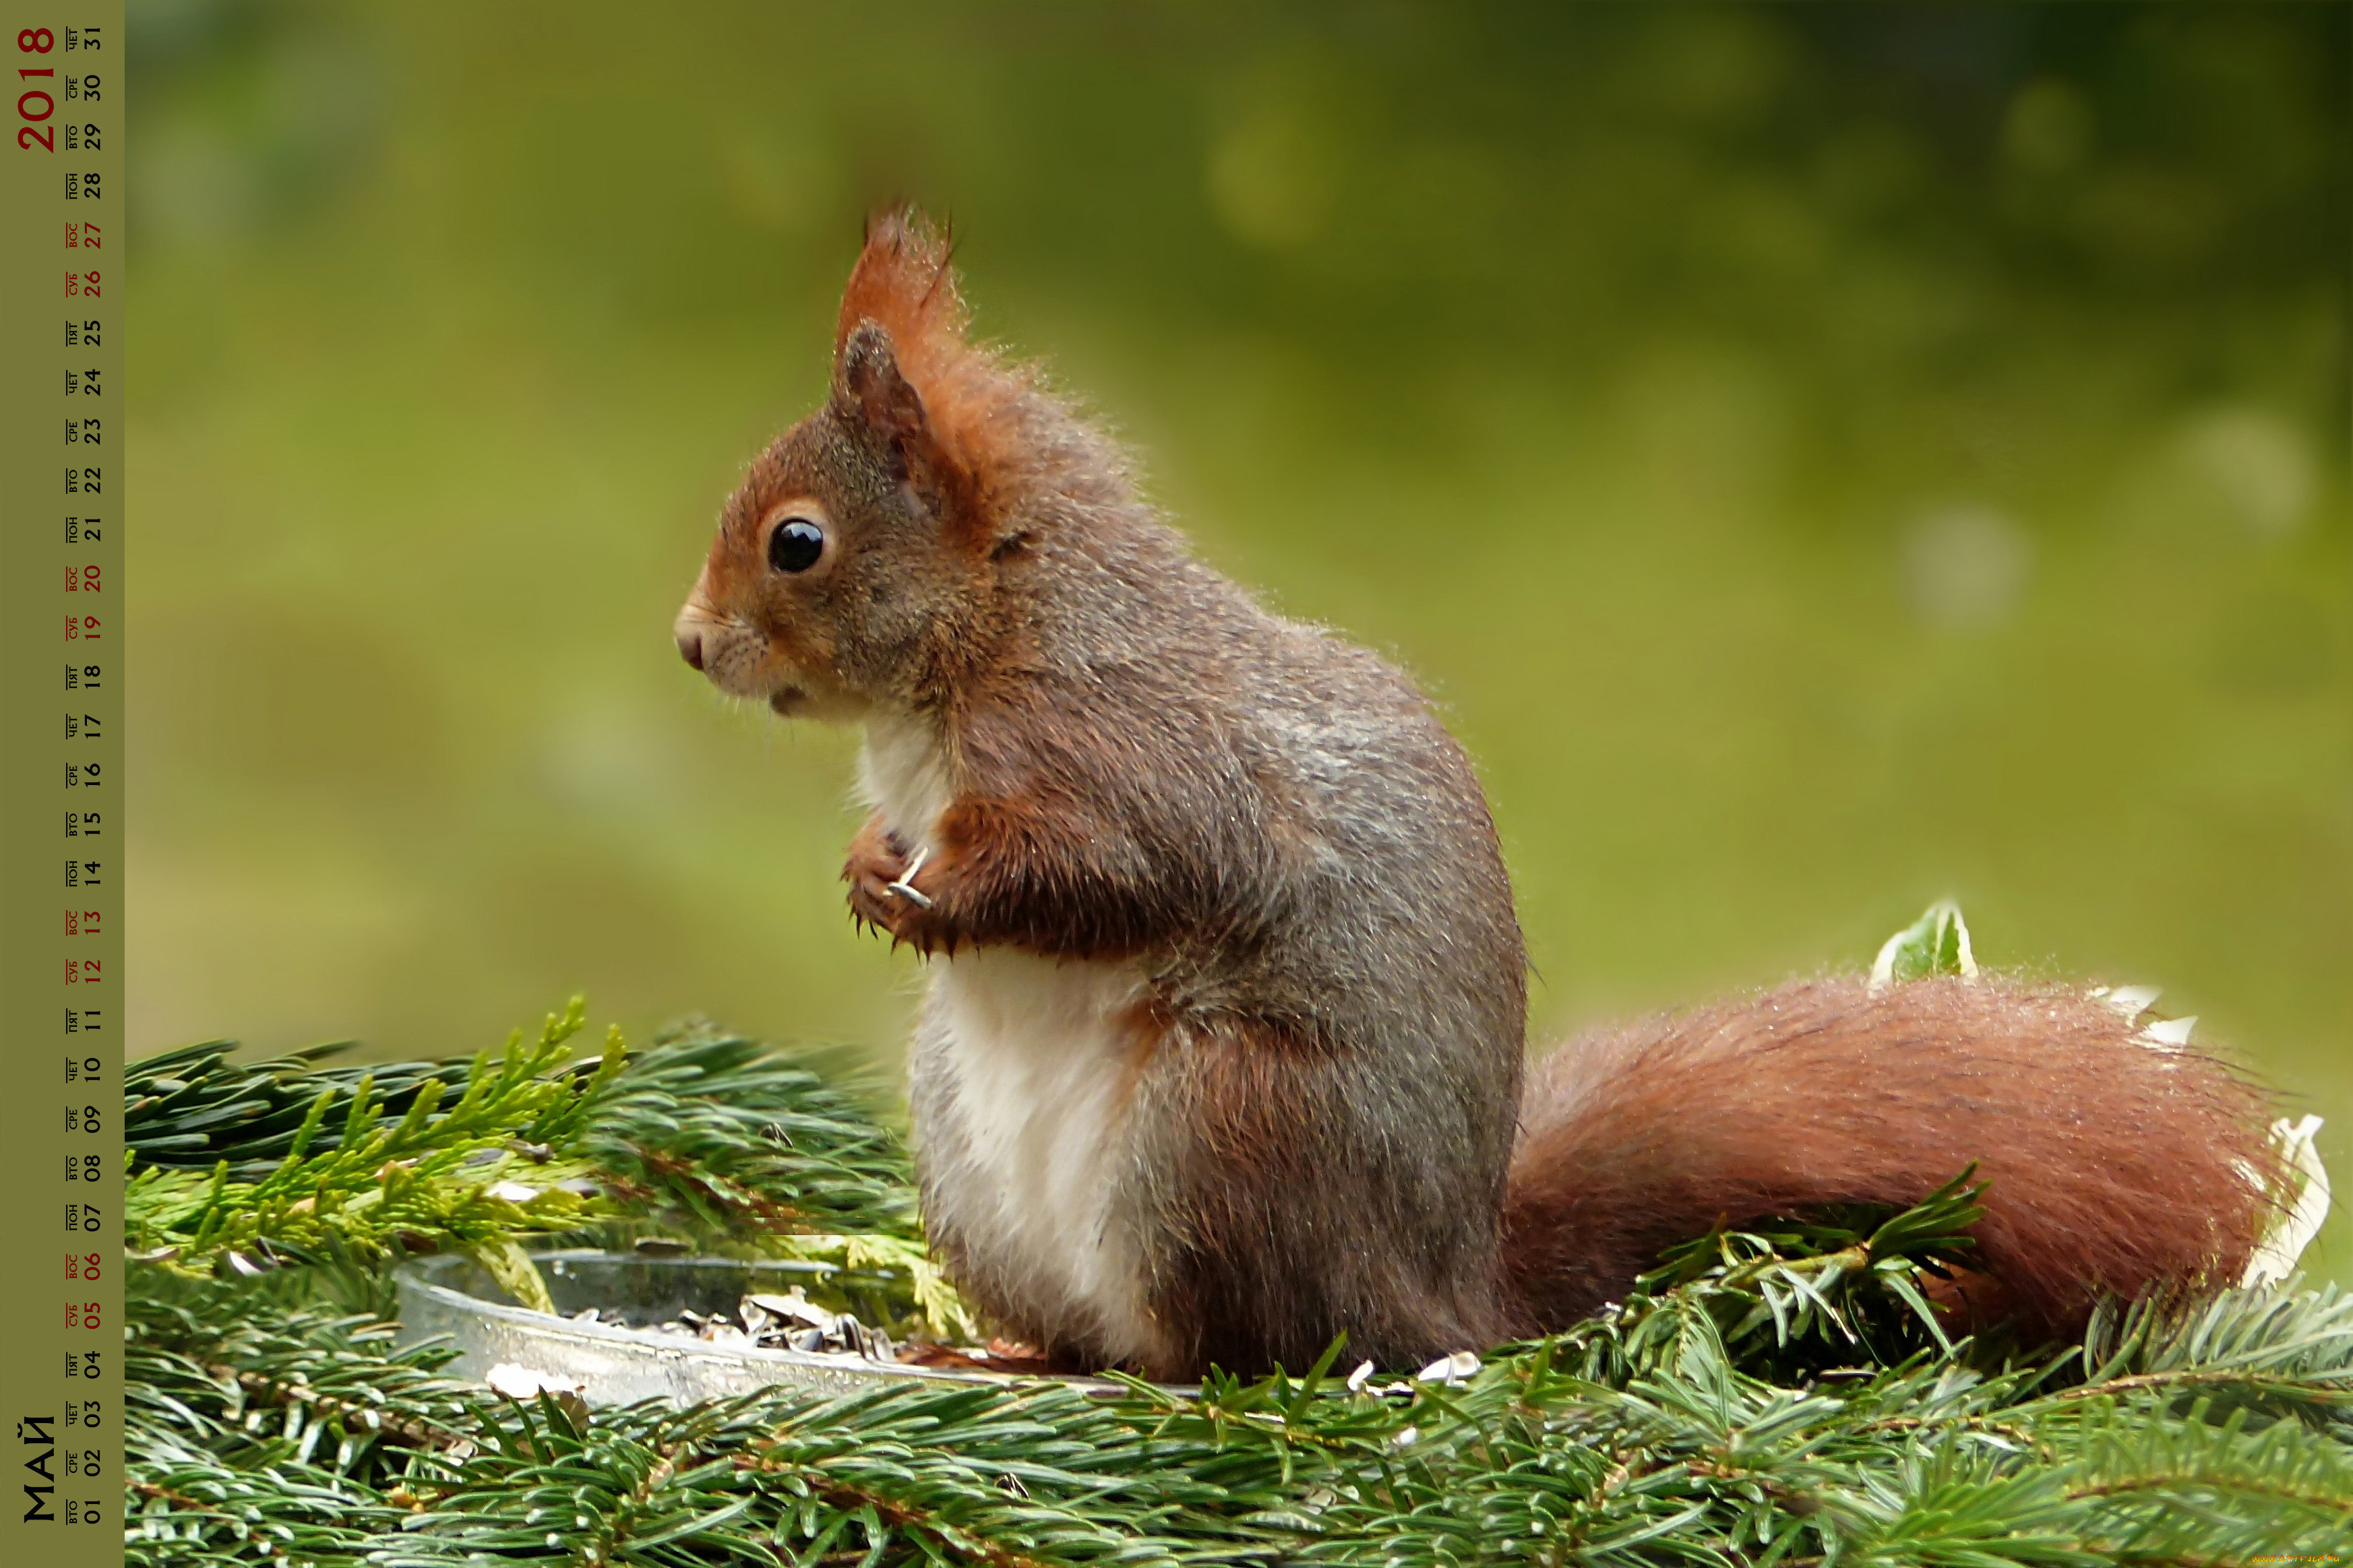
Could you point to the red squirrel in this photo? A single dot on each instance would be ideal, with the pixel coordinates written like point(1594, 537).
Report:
point(1222, 1050)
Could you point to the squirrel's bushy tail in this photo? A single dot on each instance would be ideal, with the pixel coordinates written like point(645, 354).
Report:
point(2115, 1165)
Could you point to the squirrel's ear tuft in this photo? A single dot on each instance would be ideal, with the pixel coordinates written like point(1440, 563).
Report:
point(902, 367)
point(904, 284)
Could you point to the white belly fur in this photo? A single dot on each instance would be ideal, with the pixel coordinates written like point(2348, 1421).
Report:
point(1023, 1133)
point(902, 774)
point(1023, 1162)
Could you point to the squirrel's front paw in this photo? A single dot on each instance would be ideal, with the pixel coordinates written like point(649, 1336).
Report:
point(887, 889)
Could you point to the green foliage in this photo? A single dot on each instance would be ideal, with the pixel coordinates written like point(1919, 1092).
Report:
point(710, 1132)
point(705, 1138)
point(2285, 1356)
point(269, 1432)
point(193, 1109)
point(1782, 1396)
point(1935, 944)
point(434, 1175)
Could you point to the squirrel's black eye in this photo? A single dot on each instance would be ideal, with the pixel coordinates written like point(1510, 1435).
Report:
point(795, 545)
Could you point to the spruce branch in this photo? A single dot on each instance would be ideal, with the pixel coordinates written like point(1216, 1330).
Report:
point(1782, 1394)
point(706, 1137)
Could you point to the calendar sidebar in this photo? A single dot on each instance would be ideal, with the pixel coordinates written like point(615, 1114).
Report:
point(61, 843)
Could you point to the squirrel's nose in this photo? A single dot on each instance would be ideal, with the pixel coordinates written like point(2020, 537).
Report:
point(689, 641)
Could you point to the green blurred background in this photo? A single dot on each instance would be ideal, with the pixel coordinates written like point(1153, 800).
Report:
point(1821, 457)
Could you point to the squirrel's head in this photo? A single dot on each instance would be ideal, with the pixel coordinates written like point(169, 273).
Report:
point(854, 566)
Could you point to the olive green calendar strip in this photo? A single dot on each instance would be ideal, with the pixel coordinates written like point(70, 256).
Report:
point(62, 876)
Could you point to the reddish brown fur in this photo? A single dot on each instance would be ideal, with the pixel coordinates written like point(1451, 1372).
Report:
point(2113, 1166)
point(1007, 872)
point(1256, 1205)
point(1032, 854)
point(1149, 1024)
point(905, 282)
